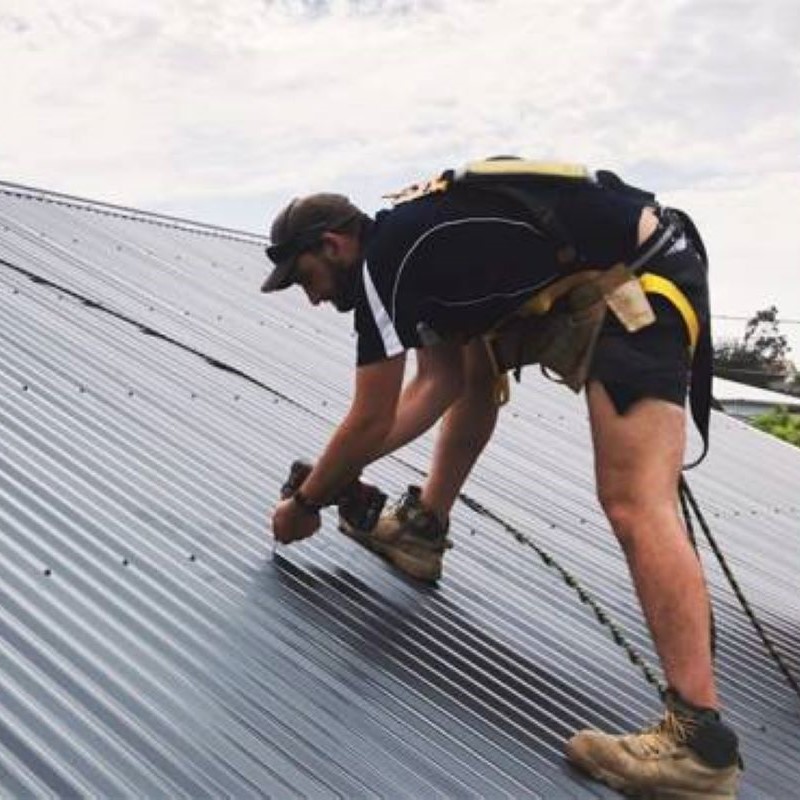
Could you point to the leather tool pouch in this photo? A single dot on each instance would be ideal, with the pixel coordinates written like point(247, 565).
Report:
point(562, 340)
point(630, 305)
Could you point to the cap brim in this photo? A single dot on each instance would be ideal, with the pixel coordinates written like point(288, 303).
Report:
point(279, 278)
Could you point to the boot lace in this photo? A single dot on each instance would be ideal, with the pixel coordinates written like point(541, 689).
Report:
point(669, 731)
point(421, 523)
point(407, 502)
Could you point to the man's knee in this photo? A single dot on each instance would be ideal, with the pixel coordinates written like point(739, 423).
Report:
point(633, 513)
point(620, 507)
point(629, 512)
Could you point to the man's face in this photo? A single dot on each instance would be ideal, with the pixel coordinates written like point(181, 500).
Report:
point(328, 277)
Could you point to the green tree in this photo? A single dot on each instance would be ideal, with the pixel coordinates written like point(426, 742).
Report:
point(761, 358)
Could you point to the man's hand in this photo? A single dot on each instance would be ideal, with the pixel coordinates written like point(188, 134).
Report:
point(291, 522)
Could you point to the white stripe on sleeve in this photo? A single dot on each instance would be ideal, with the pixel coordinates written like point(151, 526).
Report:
point(386, 329)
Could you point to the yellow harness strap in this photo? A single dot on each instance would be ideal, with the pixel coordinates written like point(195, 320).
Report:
point(656, 284)
point(543, 301)
point(523, 166)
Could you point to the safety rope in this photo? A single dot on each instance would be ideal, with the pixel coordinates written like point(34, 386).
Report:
point(688, 503)
point(602, 616)
point(688, 498)
point(712, 625)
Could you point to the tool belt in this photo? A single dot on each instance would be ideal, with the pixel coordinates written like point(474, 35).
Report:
point(558, 326)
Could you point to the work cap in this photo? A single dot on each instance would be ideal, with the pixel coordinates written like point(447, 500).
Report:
point(299, 227)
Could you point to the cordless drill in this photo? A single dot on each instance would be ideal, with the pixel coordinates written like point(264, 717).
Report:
point(360, 504)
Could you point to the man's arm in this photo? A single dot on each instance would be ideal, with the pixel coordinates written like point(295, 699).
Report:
point(360, 437)
point(358, 440)
point(438, 383)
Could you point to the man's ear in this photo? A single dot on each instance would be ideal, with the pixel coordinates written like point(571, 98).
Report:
point(338, 245)
point(331, 244)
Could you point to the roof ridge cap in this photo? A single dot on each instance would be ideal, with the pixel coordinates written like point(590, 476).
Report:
point(127, 212)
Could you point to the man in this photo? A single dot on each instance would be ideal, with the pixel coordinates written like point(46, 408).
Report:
point(455, 261)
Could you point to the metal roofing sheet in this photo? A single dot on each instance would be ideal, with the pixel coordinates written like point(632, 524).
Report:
point(733, 390)
point(150, 403)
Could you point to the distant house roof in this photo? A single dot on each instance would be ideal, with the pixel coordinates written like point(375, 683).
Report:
point(151, 400)
point(745, 401)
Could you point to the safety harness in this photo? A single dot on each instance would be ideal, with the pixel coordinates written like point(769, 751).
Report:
point(558, 326)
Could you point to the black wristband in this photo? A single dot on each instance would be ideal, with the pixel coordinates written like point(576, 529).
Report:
point(306, 504)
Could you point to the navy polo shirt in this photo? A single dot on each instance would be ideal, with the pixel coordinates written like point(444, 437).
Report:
point(452, 265)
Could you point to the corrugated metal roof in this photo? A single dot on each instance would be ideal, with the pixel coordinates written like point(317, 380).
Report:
point(151, 401)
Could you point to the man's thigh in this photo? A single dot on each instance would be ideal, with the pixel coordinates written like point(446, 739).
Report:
point(639, 453)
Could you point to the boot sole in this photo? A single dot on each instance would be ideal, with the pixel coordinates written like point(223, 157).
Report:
point(619, 784)
point(408, 565)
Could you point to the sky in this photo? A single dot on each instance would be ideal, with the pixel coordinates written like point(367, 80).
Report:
point(223, 111)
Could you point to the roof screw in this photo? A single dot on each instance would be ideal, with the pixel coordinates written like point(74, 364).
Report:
point(192, 557)
point(24, 387)
point(48, 572)
point(125, 562)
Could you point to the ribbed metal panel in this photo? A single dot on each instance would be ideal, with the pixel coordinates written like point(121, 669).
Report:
point(151, 401)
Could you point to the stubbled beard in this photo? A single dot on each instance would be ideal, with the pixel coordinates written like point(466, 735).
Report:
point(345, 286)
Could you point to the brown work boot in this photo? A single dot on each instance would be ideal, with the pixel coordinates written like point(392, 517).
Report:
point(688, 755)
point(409, 536)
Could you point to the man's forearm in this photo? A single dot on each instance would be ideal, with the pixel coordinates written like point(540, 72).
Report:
point(355, 444)
point(422, 403)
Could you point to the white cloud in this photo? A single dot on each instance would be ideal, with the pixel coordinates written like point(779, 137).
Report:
point(754, 246)
point(221, 110)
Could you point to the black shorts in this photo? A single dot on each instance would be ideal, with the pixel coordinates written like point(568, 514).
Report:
point(655, 361)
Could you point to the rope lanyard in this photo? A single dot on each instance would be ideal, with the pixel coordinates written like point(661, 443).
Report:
point(602, 616)
point(689, 505)
point(688, 502)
